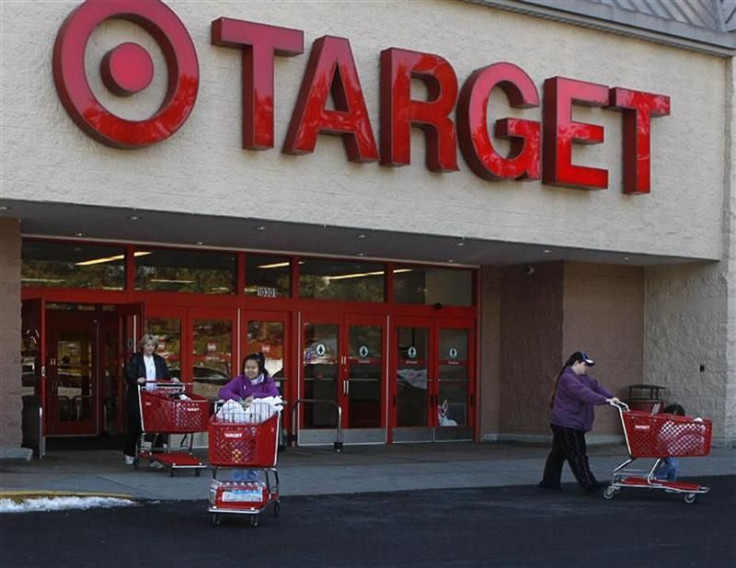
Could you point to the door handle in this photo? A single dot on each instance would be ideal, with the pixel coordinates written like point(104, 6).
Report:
point(347, 387)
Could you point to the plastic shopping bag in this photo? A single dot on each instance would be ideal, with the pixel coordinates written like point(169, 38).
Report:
point(231, 411)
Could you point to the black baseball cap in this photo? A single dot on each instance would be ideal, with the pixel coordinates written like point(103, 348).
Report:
point(582, 356)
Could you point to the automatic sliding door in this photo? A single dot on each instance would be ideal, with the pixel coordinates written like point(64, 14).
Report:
point(412, 394)
point(454, 385)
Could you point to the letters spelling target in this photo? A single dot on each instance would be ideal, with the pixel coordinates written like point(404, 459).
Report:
point(125, 70)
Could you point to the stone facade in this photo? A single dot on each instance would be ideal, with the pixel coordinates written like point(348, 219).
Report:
point(10, 333)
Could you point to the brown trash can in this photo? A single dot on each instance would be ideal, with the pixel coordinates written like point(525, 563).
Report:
point(647, 398)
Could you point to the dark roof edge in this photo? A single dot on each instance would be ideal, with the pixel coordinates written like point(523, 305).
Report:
point(623, 22)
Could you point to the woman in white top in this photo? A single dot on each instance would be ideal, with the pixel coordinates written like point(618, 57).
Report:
point(144, 368)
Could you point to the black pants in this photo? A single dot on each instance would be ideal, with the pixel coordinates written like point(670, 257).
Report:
point(568, 444)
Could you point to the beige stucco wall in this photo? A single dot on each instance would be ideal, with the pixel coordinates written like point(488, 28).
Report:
point(203, 168)
point(10, 333)
point(546, 311)
point(603, 315)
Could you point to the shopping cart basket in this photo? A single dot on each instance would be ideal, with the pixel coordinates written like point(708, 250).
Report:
point(252, 447)
point(659, 436)
point(170, 410)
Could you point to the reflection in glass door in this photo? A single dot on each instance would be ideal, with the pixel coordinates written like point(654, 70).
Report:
point(321, 374)
point(433, 381)
point(168, 332)
point(212, 346)
point(412, 394)
point(454, 396)
point(362, 386)
point(266, 332)
point(344, 366)
point(72, 393)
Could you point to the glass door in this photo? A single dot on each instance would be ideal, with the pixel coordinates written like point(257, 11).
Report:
point(72, 396)
point(433, 387)
point(455, 398)
point(213, 333)
point(343, 367)
point(268, 332)
point(412, 396)
point(166, 324)
point(33, 374)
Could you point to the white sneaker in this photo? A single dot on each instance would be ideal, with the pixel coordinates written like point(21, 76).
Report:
point(155, 465)
point(129, 460)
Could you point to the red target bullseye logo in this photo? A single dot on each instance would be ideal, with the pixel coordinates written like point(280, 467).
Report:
point(126, 69)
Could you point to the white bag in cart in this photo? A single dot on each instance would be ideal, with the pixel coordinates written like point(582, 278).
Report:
point(231, 411)
point(261, 409)
point(252, 412)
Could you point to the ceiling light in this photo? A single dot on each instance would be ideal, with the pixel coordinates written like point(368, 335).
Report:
point(360, 236)
point(626, 258)
point(4, 208)
point(108, 259)
point(134, 218)
point(546, 251)
point(199, 243)
point(460, 244)
point(261, 228)
point(79, 234)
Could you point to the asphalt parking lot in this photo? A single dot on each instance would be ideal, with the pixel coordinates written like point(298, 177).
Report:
point(495, 526)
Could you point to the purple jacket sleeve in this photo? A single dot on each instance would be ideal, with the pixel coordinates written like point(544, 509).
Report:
point(600, 389)
point(592, 393)
point(231, 391)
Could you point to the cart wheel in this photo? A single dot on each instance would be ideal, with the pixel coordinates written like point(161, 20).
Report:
point(216, 519)
point(611, 492)
point(135, 463)
point(690, 498)
point(197, 472)
point(171, 472)
point(254, 520)
point(276, 509)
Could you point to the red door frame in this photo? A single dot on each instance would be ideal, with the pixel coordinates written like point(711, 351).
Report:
point(433, 325)
point(61, 323)
point(343, 322)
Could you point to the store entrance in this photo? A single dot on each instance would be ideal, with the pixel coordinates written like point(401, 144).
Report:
point(343, 367)
point(86, 347)
point(433, 394)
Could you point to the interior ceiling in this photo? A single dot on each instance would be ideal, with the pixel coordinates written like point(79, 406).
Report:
point(115, 224)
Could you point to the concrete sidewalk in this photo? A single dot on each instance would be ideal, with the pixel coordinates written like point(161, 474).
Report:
point(316, 471)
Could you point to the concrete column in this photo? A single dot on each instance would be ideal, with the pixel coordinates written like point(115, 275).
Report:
point(10, 334)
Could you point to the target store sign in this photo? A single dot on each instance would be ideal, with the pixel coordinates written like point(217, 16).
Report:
point(452, 115)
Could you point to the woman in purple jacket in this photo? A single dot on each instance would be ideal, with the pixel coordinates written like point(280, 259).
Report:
point(255, 382)
point(573, 400)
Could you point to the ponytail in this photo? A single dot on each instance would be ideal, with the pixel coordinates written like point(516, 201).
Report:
point(569, 362)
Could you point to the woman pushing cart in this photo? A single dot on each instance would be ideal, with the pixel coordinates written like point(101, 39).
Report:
point(659, 436)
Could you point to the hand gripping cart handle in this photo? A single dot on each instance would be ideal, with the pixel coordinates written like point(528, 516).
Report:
point(659, 436)
point(167, 409)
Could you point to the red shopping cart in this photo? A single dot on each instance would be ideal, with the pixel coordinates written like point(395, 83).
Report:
point(166, 410)
point(244, 446)
point(659, 436)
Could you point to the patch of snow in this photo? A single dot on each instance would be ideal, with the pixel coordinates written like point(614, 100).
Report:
point(37, 504)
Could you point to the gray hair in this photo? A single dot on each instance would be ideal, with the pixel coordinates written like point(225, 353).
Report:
point(146, 338)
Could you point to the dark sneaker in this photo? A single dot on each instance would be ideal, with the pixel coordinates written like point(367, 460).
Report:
point(549, 486)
